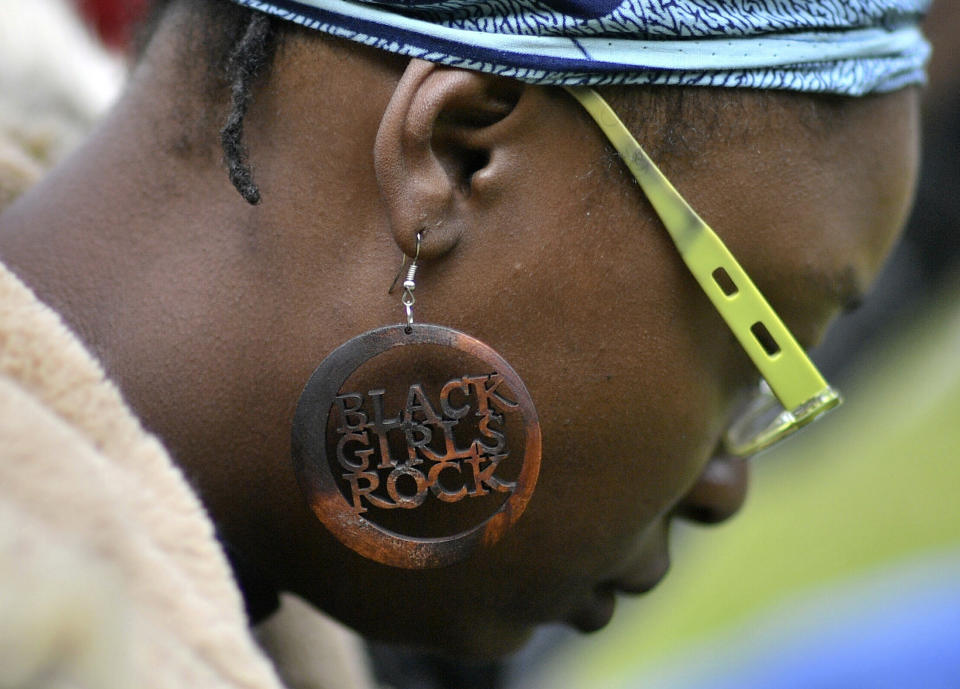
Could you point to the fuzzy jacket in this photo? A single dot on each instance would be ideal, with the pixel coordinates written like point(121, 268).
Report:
point(110, 575)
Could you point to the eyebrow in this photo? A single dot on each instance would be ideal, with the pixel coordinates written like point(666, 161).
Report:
point(837, 289)
point(847, 289)
point(852, 304)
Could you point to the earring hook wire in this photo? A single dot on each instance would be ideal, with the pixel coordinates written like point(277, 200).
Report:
point(403, 264)
point(409, 284)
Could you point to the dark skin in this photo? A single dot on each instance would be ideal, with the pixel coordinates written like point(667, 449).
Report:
point(211, 314)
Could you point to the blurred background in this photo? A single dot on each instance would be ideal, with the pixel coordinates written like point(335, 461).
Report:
point(843, 570)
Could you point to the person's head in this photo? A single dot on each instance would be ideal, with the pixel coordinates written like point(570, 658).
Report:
point(535, 240)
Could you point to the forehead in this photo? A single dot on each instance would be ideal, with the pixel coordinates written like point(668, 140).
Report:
point(674, 123)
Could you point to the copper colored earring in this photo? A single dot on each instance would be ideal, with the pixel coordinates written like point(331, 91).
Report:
point(416, 445)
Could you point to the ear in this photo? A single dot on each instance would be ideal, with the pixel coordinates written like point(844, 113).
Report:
point(435, 151)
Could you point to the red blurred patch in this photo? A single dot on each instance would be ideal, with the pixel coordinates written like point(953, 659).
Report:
point(113, 20)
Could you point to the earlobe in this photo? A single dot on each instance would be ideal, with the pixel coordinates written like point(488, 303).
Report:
point(439, 129)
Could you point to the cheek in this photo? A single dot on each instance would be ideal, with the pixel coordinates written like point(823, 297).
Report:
point(622, 450)
point(624, 358)
point(617, 458)
point(628, 388)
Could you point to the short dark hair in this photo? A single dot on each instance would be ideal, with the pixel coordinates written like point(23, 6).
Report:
point(239, 46)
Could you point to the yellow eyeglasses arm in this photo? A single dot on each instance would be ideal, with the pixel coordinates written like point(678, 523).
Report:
point(781, 361)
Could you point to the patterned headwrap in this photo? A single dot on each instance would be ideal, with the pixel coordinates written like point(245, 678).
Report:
point(851, 47)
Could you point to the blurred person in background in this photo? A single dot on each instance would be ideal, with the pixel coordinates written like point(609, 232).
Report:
point(56, 81)
point(209, 296)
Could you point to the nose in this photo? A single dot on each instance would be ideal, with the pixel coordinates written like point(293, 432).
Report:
point(719, 491)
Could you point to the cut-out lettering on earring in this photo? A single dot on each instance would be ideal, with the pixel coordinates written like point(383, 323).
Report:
point(416, 445)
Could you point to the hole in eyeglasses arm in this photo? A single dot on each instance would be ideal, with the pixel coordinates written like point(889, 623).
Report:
point(765, 339)
point(725, 282)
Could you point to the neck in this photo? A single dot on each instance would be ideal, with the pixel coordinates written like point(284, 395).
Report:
point(94, 225)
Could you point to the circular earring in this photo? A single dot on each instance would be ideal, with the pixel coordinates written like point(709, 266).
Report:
point(416, 445)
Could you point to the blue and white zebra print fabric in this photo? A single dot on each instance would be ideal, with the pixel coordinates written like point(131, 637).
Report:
point(850, 47)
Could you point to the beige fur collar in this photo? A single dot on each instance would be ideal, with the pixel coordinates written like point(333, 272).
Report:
point(75, 459)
